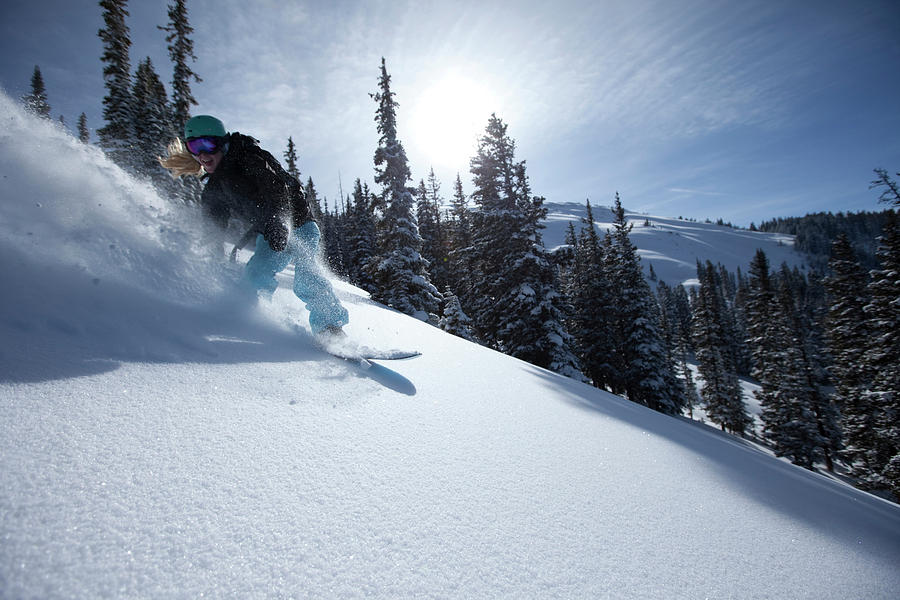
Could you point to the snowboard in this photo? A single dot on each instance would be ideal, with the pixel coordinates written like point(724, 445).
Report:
point(364, 357)
point(371, 354)
point(349, 350)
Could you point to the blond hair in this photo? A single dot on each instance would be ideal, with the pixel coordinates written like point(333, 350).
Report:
point(179, 161)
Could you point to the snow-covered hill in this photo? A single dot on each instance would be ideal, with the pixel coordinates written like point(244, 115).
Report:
point(673, 246)
point(158, 440)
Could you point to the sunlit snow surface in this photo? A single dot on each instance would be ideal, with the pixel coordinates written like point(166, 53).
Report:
point(159, 440)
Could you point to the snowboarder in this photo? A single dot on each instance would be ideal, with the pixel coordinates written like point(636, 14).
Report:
point(245, 182)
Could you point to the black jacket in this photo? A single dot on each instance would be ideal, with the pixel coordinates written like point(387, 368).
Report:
point(251, 186)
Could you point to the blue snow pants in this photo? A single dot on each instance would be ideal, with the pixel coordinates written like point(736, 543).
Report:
point(310, 284)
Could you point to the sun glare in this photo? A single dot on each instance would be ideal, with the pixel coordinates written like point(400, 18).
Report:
point(447, 119)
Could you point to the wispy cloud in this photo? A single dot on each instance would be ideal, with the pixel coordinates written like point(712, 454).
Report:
point(695, 192)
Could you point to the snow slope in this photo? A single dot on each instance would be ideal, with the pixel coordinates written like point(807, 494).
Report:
point(158, 440)
point(673, 246)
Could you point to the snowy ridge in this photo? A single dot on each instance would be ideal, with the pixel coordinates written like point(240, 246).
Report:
point(673, 246)
point(158, 440)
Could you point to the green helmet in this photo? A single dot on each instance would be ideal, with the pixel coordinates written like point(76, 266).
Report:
point(204, 125)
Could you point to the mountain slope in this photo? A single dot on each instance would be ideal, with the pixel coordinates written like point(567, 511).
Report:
point(160, 440)
point(673, 246)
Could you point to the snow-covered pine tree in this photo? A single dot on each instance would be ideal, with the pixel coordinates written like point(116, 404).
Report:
point(564, 256)
point(460, 235)
point(290, 158)
point(798, 417)
point(667, 324)
point(807, 430)
point(495, 225)
point(152, 126)
point(181, 48)
point(84, 136)
point(399, 272)
point(454, 320)
point(648, 377)
point(684, 346)
point(721, 392)
point(782, 396)
point(676, 339)
point(426, 219)
point(333, 239)
point(682, 313)
point(117, 137)
point(537, 332)
point(759, 308)
point(775, 356)
point(360, 232)
point(803, 301)
point(312, 198)
point(788, 421)
point(563, 259)
point(882, 455)
point(514, 299)
point(36, 101)
point(592, 308)
point(736, 321)
point(433, 230)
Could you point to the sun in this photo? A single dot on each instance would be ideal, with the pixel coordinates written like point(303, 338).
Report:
point(448, 117)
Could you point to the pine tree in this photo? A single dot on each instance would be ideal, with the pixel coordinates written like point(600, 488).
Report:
point(84, 136)
point(514, 296)
point(721, 392)
point(36, 102)
point(798, 417)
point(117, 136)
point(399, 274)
point(433, 230)
point(760, 306)
point(881, 455)
point(592, 308)
point(333, 240)
point(648, 376)
point(495, 226)
point(536, 332)
point(770, 343)
point(806, 431)
point(804, 299)
point(676, 338)
point(684, 346)
point(460, 234)
point(426, 219)
point(312, 198)
point(360, 234)
point(181, 48)
point(847, 337)
point(454, 320)
point(152, 126)
point(290, 157)
point(891, 193)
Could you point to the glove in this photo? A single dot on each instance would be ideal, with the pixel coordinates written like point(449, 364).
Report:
point(276, 234)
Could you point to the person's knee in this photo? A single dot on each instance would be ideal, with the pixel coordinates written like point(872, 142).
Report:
point(306, 239)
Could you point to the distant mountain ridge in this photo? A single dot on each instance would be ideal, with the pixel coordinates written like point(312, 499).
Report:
point(673, 246)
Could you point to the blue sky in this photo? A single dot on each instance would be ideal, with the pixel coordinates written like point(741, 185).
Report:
point(736, 109)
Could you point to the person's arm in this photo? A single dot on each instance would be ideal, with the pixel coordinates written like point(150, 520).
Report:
point(279, 192)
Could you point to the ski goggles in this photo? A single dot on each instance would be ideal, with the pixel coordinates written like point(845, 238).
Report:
point(205, 145)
